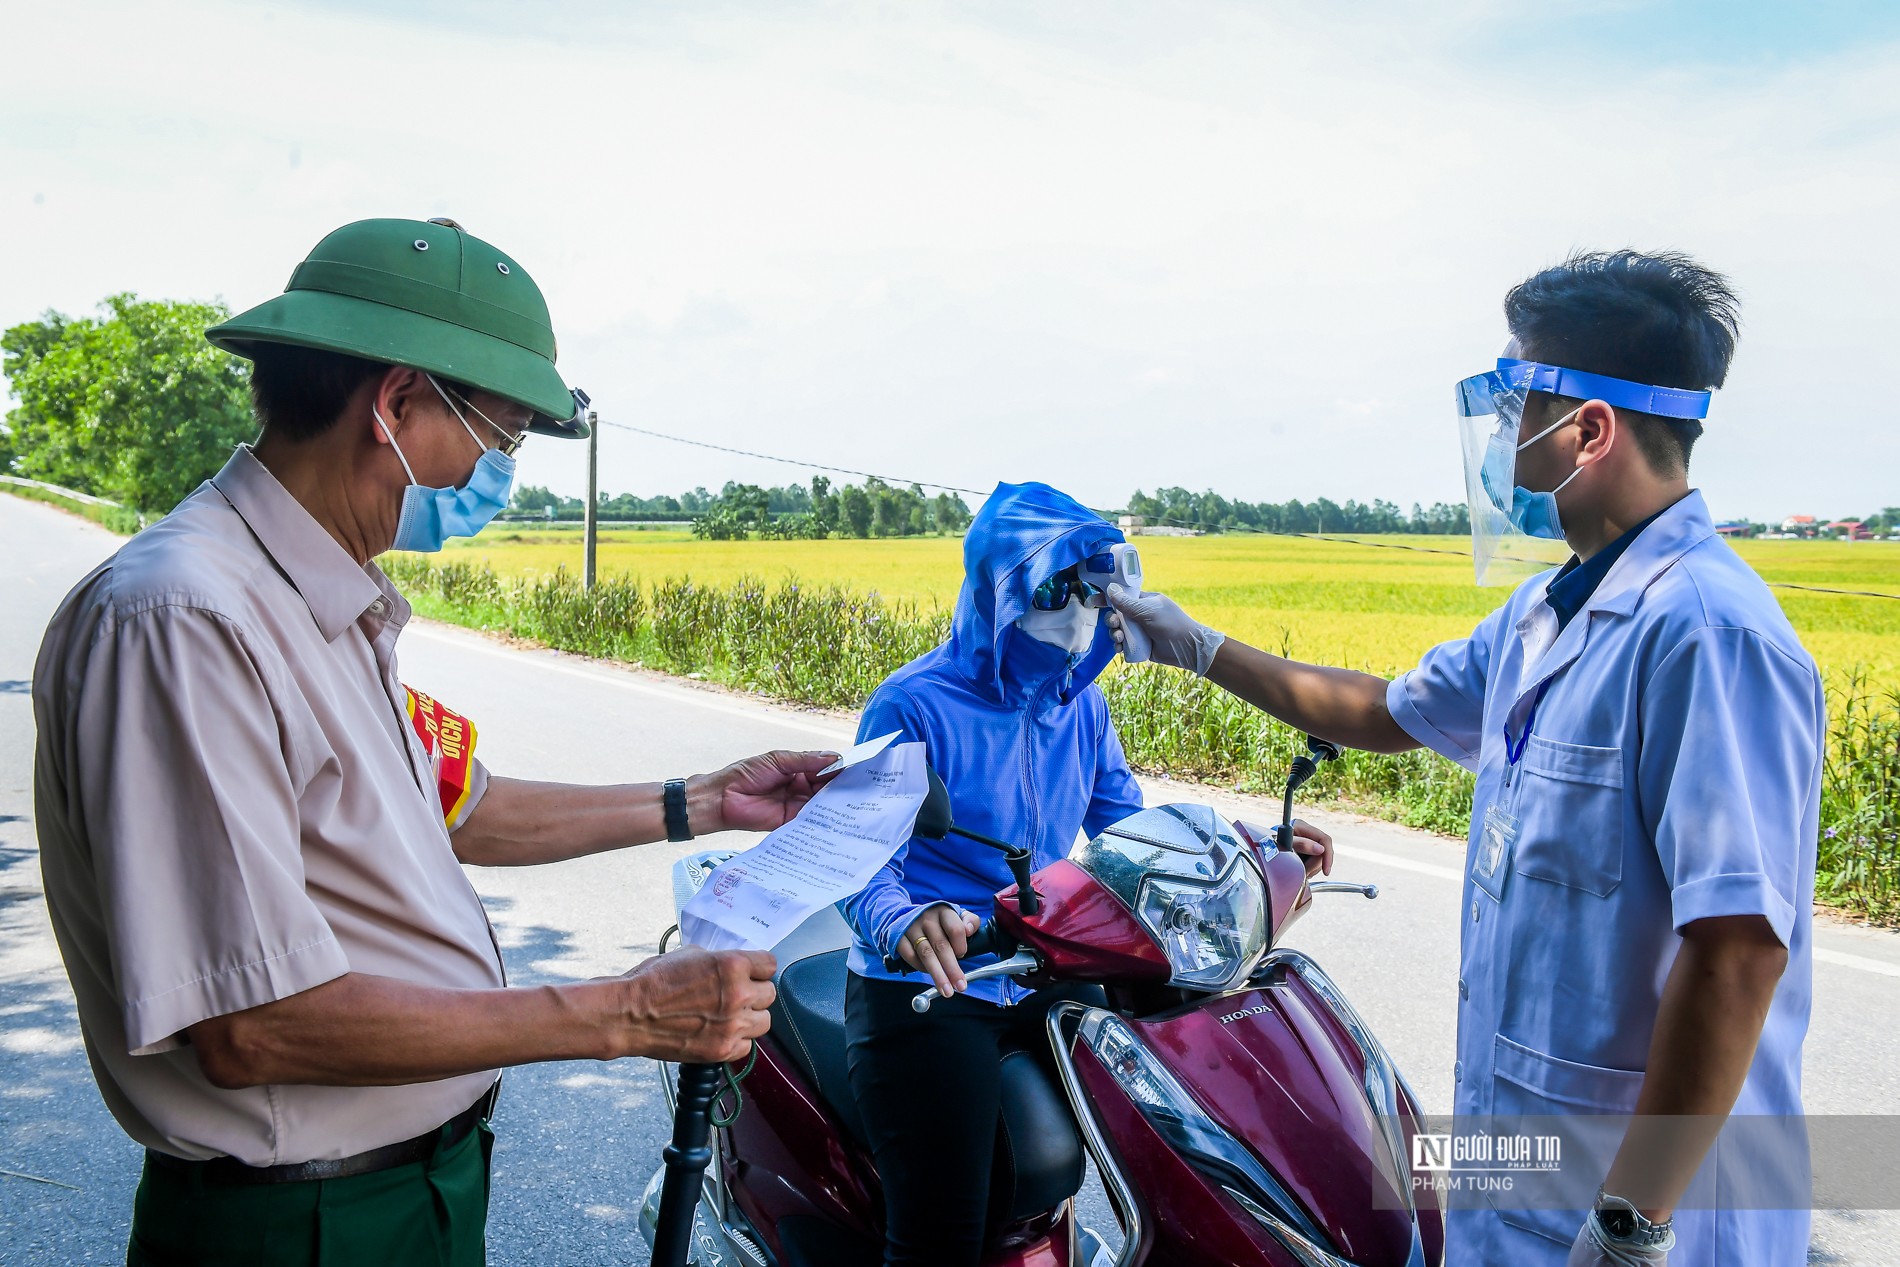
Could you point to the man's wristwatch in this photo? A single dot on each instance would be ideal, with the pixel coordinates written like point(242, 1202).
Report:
point(1620, 1220)
point(673, 804)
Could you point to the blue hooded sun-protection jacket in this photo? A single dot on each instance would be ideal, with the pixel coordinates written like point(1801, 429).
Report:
point(1016, 727)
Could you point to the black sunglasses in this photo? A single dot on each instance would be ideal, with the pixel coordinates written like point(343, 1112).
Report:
point(1055, 593)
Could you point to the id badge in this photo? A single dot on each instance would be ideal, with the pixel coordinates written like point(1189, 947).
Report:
point(1492, 865)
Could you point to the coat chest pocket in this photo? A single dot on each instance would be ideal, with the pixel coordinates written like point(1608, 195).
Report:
point(1569, 807)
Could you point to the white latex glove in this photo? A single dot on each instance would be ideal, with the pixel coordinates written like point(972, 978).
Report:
point(1594, 1250)
point(1176, 638)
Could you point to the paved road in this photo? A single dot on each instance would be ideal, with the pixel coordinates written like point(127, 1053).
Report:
point(579, 1140)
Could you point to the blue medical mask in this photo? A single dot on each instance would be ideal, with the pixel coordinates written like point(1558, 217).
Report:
point(430, 516)
point(1533, 514)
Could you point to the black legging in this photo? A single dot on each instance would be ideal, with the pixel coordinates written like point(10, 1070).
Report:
point(929, 1088)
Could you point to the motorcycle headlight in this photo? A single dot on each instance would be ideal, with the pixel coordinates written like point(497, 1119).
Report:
point(1212, 933)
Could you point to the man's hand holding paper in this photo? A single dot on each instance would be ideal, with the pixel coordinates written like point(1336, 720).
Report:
point(847, 831)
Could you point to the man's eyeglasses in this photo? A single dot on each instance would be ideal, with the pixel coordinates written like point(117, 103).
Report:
point(510, 440)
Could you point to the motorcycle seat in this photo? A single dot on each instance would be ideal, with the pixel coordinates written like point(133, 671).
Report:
point(1039, 1152)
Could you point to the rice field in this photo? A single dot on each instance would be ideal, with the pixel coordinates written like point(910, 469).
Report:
point(822, 622)
point(1348, 604)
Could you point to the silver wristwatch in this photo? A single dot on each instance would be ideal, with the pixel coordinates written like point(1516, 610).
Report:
point(1620, 1221)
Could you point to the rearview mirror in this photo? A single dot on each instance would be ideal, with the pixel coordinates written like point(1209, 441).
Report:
point(933, 820)
point(934, 823)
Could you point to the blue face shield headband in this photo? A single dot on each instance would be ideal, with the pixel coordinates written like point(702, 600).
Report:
point(1501, 508)
point(1502, 391)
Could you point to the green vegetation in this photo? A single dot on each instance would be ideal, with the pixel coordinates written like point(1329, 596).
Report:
point(120, 519)
point(1860, 801)
point(830, 646)
point(740, 512)
point(131, 405)
point(825, 646)
point(1212, 512)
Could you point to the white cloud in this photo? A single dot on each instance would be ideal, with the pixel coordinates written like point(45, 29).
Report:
point(1214, 245)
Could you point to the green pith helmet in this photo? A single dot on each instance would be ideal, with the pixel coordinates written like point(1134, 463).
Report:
point(427, 295)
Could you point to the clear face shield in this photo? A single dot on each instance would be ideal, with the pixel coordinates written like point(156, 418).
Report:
point(1490, 412)
point(1490, 408)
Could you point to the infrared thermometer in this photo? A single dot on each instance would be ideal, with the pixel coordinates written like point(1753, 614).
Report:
point(1118, 565)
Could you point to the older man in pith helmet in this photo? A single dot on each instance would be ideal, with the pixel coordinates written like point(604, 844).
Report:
point(253, 833)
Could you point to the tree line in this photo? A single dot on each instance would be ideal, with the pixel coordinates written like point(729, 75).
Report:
point(131, 404)
point(792, 512)
point(1210, 512)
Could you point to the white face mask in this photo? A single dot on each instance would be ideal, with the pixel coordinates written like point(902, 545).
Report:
point(1072, 628)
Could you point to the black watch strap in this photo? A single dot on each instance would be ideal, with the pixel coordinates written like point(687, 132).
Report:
point(673, 802)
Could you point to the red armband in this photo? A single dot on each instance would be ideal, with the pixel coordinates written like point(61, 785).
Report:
point(449, 739)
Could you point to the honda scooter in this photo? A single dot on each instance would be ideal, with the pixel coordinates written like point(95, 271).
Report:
point(1236, 1107)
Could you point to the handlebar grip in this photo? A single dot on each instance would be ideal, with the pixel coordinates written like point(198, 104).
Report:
point(986, 940)
point(982, 941)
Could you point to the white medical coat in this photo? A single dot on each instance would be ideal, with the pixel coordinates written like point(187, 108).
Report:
point(1672, 774)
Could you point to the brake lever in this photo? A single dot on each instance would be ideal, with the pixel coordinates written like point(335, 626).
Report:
point(1342, 886)
point(1023, 961)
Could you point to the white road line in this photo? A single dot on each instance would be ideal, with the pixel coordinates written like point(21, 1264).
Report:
point(1841, 959)
point(627, 682)
point(838, 734)
point(1383, 859)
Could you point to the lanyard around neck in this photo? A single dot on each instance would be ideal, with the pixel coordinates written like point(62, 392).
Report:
point(1514, 751)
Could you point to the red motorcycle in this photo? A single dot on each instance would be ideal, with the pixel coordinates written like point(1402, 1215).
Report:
point(1234, 1104)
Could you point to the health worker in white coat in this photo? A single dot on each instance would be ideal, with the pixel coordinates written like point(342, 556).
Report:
point(1646, 732)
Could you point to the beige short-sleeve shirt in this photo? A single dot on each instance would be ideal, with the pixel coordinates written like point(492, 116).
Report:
point(233, 807)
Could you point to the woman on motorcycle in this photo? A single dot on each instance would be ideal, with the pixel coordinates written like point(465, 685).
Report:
point(1009, 715)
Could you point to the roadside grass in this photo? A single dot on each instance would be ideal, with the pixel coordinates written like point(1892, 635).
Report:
point(1327, 601)
point(120, 519)
point(830, 645)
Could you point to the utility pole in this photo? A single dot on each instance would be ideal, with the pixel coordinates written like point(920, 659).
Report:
point(592, 528)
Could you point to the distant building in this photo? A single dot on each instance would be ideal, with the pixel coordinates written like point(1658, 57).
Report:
point(1736, 528)
point(1852, 529)
point(1133, 524)
point(1798, 525)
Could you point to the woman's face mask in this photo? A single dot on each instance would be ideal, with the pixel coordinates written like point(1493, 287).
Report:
point(1071, 627)
point(430, 516)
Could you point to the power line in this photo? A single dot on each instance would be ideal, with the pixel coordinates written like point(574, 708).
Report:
point(1172, 522)
point(975, 492)
point(1821, 589)
point(815, 466)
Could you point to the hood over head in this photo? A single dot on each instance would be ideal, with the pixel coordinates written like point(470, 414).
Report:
point(1023, 535)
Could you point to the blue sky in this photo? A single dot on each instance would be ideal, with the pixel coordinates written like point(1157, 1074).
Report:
point(1108, 245)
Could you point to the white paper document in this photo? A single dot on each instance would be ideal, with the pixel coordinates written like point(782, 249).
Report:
point(860, 753)
point(830, 851)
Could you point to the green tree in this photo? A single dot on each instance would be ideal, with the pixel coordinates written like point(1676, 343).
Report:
point(888, 517)
point(854, 506)
point(131, 404)
point(749, 504)
point(719, 524)
point(824, 505)
point(950, 514)
point(534, 498)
